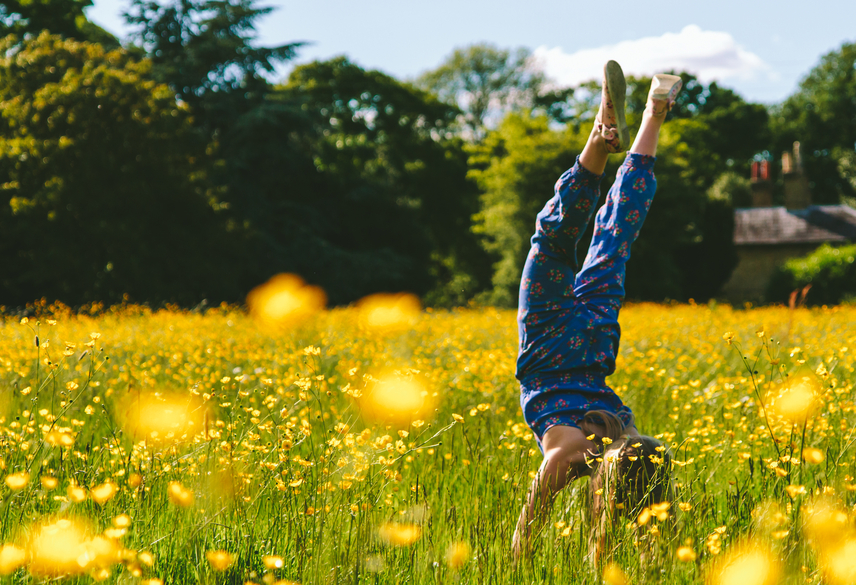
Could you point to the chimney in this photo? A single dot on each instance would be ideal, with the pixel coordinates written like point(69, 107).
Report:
point(762, 188)
point(797, 192)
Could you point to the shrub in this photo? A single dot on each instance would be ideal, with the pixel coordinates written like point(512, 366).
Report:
point(831, 272)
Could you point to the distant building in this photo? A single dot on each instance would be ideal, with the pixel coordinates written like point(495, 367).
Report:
point(766, 236)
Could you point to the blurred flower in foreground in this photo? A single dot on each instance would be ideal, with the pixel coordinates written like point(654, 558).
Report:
point(284, 301)
point(220, 560)
point(613, 575)
point(389, 313)
point(399, 534)
point(812, 455)
point(54, 549)
point(103, 493)
point(796, 398)
point(458, 554)
point(162, 418)
point(11, 558)
point(179, 495)
point(397, 397)
point(273, 562)
point(17, 481)
point(746, 565)
point(76, 494)
point(59, 439)
point(685, 554)
point(839, 564)
point(99, 552)
point(824, 524)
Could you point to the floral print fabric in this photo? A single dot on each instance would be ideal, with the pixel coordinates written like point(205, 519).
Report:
point(568, 316)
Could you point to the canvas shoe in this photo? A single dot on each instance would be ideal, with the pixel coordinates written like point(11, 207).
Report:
point(610, 121)
point(664, 91)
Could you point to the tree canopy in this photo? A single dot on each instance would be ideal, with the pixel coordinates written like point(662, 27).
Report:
point(60, 17)
point(821, 115)
point(175, 169)
point(102, 192)
point(484, 80)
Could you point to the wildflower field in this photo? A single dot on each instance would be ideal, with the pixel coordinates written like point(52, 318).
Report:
point(384, 444)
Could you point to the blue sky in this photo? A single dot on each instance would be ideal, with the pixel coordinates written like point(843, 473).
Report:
point(761, 49)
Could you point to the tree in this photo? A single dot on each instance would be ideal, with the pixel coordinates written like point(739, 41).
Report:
point(484, 81)
point(102, 192)
point(732, 188)
point(382, 202)
point(515, 167)
point(204, 50)
point(60, 17)
point(821, 115)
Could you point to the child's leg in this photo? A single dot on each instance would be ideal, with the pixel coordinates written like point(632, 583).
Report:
point(547, 282)
point(618, 222)
point(600, 282)
point(664, 91)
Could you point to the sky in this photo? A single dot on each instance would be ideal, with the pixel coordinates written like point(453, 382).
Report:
point(761, 49)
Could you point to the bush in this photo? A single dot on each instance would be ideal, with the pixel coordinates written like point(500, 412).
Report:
point(830, 271)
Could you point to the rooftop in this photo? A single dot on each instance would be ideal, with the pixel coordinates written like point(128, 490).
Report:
point(777, 225)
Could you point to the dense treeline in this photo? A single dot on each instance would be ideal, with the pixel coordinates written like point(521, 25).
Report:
point(172, 169)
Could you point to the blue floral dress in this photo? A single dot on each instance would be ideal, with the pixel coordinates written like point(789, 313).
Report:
point(568, 316)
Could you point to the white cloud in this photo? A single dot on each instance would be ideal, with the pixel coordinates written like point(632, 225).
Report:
point(710, 55)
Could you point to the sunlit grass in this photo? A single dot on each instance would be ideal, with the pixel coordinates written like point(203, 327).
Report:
point(382, 443)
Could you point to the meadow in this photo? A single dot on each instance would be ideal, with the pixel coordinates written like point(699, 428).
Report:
point(382, 443)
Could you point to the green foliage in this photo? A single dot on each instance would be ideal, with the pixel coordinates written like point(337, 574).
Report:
point(60, 17)
point(831, 272)
point(732, 188)
point(847, 167)
point(515, 168)
point(484, 80)
point(821, 115)
point(715, 132)
point(204, 50)
point(102, 188)
point(385, 197)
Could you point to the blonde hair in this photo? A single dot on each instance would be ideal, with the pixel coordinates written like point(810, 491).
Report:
point(634, 473)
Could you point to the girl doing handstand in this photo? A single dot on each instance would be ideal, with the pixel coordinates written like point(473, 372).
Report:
point(568, 315)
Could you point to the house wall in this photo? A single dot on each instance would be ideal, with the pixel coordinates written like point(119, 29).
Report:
point(755, 267)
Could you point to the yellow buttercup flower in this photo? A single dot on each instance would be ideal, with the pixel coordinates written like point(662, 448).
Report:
point(389, 313)
point(284, 301)
point(11, 558)
point(55, 548)
point(76, 494)
point(48, 482)
point(613, 575)
point(397, 398)
point(104, 492)
point(399, 534)
point(458, 554)
point(162, 417)
point(839, 563)
point(273, 562)
point(812, 455)
point(179, 495)
point(220, 560)
point(17, 481)
point(796, 399)
point(746, 565)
